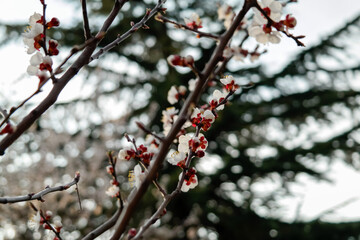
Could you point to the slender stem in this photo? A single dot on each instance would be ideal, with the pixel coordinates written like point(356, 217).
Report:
point(44, 28)
point(112, 162)
point(39, 196)
point(146, 130)
point(87, 32)
point(182, 26)
point(14, 109)
point(134, 28)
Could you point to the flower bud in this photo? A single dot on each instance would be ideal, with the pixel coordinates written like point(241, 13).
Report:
point(131, 233)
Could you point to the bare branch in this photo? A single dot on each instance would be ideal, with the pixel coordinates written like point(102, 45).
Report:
point(142, 127)
point(39, 196)
point(183, 26)
point(13, 109)
point(87, 32)
point(134, 28)
point(114, 12)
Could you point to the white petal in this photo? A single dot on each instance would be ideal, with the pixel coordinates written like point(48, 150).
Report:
point(274, 39)
point(47, 60)
point(32, 70)
point(254, 31)
point(275, 16)
point(36, 59)
point(209, 115)
point(266, 3)
point(195, 113)
point(275, 6)
point(34, 18)
point(262, 38)
point(192, 84)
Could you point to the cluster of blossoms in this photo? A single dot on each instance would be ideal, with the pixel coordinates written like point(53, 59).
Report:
point(35, 39)
point(113, 190)
point(265, 30)
point(189, 144)
point(143, 154)
point(40, 219)
point(192, 144)
point(175, 94)
point(194, 22)
point(240, 53)
point(176, 60)
point(226, 13)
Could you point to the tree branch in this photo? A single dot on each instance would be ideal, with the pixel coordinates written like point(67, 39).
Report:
point(39, 196)
point(87, 32)
point(51, 98)
point(134, 28)
point(185, 111)
point(182, 26)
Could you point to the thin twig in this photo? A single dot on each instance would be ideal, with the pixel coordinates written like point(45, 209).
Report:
point(142, 127)
point(336, 207)
point(183, 26)
point(112, 162)
point(87, 32)
point(44, 28)
point(133, 29)
point(73, 51)
point(14, 109)
point(78, 195)
point(39, 196)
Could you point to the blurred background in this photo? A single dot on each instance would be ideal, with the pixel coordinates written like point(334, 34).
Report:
point(283, 156)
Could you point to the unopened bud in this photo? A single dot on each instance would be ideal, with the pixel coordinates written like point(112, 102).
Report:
point(131, 233)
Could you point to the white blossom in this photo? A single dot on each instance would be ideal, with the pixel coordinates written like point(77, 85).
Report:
point(34, 222)
point(112, 191)
point(257, 32)
point(190, 184)
point(192, 84)
point(177, 157)
point(126, 153)
point(34, 29)
point(226, 13)
point(194, 21)
point(273, 6)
